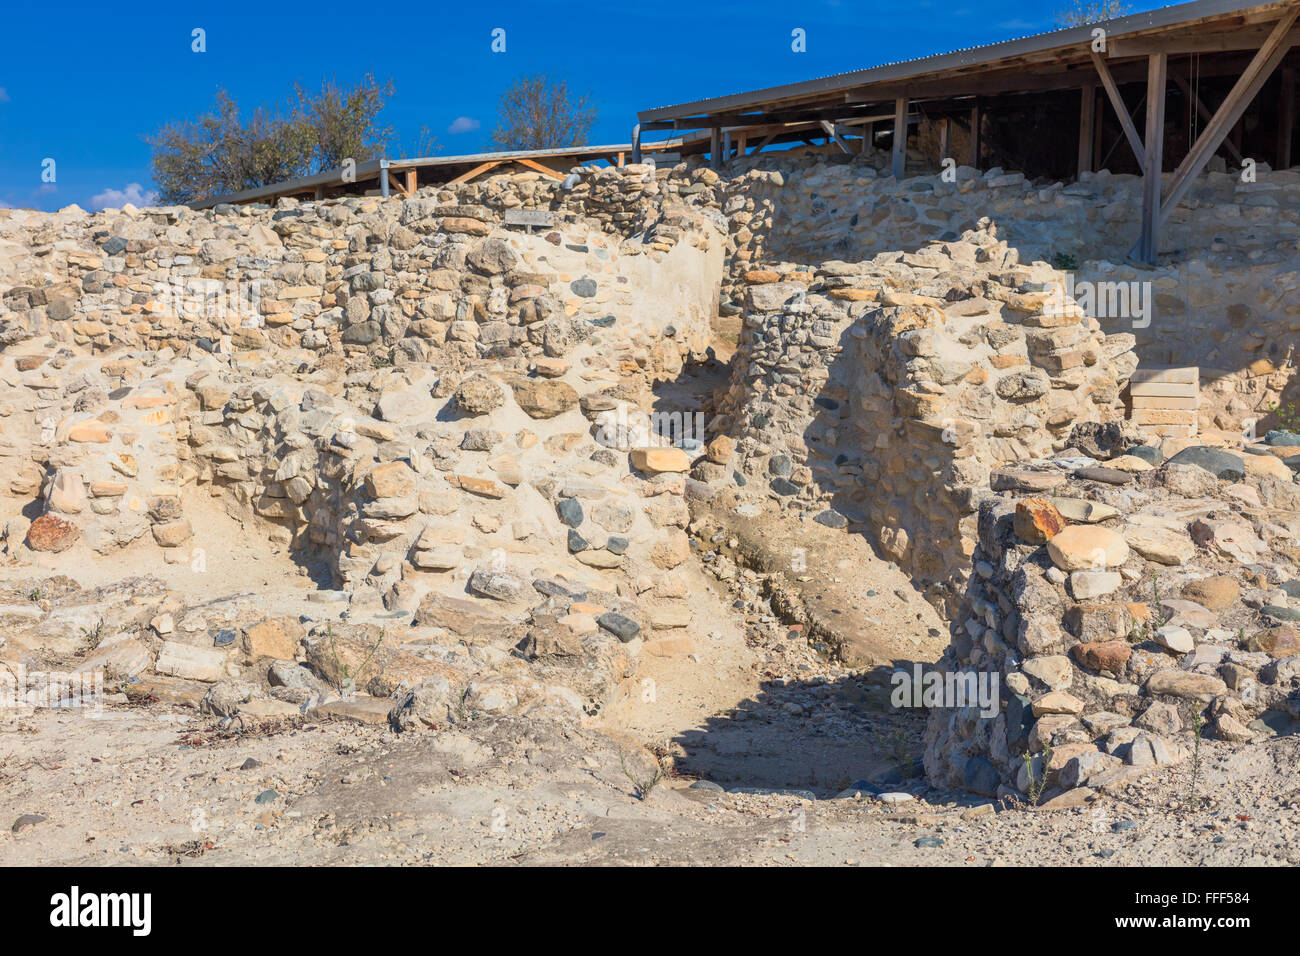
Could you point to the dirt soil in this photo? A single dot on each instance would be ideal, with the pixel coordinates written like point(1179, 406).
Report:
point(153, 784)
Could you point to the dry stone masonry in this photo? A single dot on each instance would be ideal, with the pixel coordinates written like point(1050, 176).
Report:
point(456, 425)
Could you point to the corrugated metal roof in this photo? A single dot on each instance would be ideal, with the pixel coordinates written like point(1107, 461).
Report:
point(1160, 18)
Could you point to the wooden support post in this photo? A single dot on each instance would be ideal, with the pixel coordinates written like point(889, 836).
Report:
point(1286, 119)
point(621, 158)
point(1157, 69)
point(976, 121)
point(1117, 101)
point(715, 147)
point(742, 144)
point(412, 180)
point(1242, 93)
point(945, 138)
point(899, 165)
point(1087, 120)
point(1098, 141)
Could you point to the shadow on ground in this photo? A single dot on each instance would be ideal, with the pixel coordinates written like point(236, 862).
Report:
point(820, 736)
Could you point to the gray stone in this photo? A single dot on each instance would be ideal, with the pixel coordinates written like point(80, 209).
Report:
point(569, 511)
point(624, 628)
point(1223, 465)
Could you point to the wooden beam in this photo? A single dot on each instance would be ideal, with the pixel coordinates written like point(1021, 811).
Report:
point(1087, 120)
point(412, 181)
point(763, 142)
point(1157, 70)
point(541, 168)
point(1183, 45)
point(899, 165)
point(945, 137)
point(1204, 112)
point(976, 121)
point(715, 147)
point(1286, 118)
point(1117, 101)
point(834, 134)
point(480, 168)
point(1243, 92)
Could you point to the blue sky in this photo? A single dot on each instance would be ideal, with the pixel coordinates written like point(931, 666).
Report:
point(81, 83)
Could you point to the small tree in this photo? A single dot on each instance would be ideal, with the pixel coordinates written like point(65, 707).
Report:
point(1084, 12)
point(538, 112)
point(221, 152)
point(344, 121)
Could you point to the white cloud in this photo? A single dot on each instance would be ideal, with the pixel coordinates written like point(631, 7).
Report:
point(116, 198)
point(463, 124)
point(4, 95)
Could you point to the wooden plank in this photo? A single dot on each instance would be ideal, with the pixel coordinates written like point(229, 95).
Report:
point(945, 137)
point(834, 134)
point(480, 168)
point(976, 121)
point(412, 181)
point(1286, 118)
point(899, 165)
point(1204, 112)
point(540, 167)
point(1117, 101)
point(1157, 70)
point(1243, 92)
point(715, 147)
point(1087, 120)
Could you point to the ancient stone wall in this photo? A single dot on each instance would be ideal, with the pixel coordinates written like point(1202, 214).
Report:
point(1120, 606)
point(885, 391)
point(1226, 296)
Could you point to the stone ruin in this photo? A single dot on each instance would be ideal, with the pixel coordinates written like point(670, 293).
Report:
point(452, 423)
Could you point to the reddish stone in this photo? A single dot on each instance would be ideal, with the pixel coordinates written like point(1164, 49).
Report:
point(49, 533)
point(1110, 657)
point(1037, 520)
point(1275, 642)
